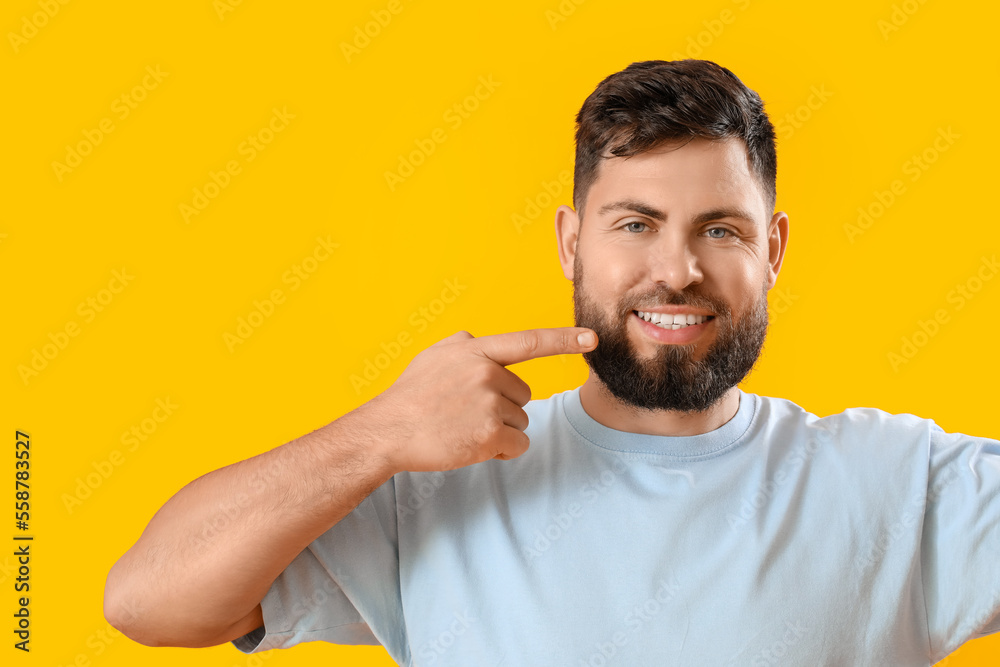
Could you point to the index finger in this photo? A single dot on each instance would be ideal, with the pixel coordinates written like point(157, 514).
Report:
point(518, 346)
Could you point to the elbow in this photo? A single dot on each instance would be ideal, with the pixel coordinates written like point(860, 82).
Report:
point(125, 614)
point(135, 616)
point(124, 611)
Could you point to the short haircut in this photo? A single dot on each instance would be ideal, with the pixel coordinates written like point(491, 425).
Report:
point(656, 101)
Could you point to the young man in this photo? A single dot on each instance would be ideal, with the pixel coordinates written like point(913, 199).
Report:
point(660, 516)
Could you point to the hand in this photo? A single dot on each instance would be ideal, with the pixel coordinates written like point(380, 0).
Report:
point(455, 404)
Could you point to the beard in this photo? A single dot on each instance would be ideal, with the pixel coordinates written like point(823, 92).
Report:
point(672, 379)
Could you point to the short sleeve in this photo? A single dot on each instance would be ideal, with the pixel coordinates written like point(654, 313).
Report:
point(960, 545)
point(343, 588)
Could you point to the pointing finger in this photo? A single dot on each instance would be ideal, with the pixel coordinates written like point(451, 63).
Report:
point(518, 346)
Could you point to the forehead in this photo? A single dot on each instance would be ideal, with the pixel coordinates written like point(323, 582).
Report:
point(693, 176)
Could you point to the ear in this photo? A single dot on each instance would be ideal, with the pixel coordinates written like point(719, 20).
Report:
point(777, 241)
point(567, 234)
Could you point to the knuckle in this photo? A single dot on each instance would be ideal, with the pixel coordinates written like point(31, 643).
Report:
point(455, 337)
point(482, 374)
point(488, 430)
point(497, 404)
point(529, 343)
point(526, 390)
point(523, 420)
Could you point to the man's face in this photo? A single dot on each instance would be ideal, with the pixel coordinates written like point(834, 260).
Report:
point(682, 236)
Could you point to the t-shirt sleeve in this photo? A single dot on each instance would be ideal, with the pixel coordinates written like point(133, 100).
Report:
point(343, 588)
point(960, 545)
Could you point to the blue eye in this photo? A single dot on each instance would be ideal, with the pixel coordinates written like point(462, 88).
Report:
point(718, 229)
point(629, 224)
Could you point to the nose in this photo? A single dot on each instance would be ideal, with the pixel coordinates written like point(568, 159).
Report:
point(673, 263)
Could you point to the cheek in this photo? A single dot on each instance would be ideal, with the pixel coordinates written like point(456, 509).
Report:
point(738, 282)
point(625, 266)
point(611, 272)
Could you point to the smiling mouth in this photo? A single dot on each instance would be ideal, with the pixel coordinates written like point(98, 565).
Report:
point(678, 321)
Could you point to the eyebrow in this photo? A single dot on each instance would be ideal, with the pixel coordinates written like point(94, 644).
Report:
point(637, 206)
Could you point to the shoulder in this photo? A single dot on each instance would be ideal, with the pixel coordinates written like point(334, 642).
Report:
point(865, 427)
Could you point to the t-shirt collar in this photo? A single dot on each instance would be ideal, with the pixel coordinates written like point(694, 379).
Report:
point(708, 444)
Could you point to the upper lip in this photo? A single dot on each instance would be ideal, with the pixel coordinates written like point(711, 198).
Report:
point(676, 310)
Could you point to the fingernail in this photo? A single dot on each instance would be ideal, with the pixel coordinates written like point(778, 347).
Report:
point(586, 339)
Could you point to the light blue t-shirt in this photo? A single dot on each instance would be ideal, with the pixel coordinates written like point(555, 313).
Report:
point(862, 538)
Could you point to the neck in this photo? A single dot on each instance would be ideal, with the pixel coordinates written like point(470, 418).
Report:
point(605, 408)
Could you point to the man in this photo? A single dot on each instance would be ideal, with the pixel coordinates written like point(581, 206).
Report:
point(660, 516)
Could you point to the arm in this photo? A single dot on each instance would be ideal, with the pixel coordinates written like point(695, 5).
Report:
point(197, 574)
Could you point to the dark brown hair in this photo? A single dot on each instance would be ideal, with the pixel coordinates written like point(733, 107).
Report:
point(654, 101)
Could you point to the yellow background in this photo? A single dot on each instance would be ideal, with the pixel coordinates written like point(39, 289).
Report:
point(846, 303)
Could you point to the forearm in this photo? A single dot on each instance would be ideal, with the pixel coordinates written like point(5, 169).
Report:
point(209, 555)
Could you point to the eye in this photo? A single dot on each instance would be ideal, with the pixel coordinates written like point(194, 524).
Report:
point(628, 226)
point(717, 232)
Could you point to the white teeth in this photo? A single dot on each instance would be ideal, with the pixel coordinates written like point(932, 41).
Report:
point(665, 321)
